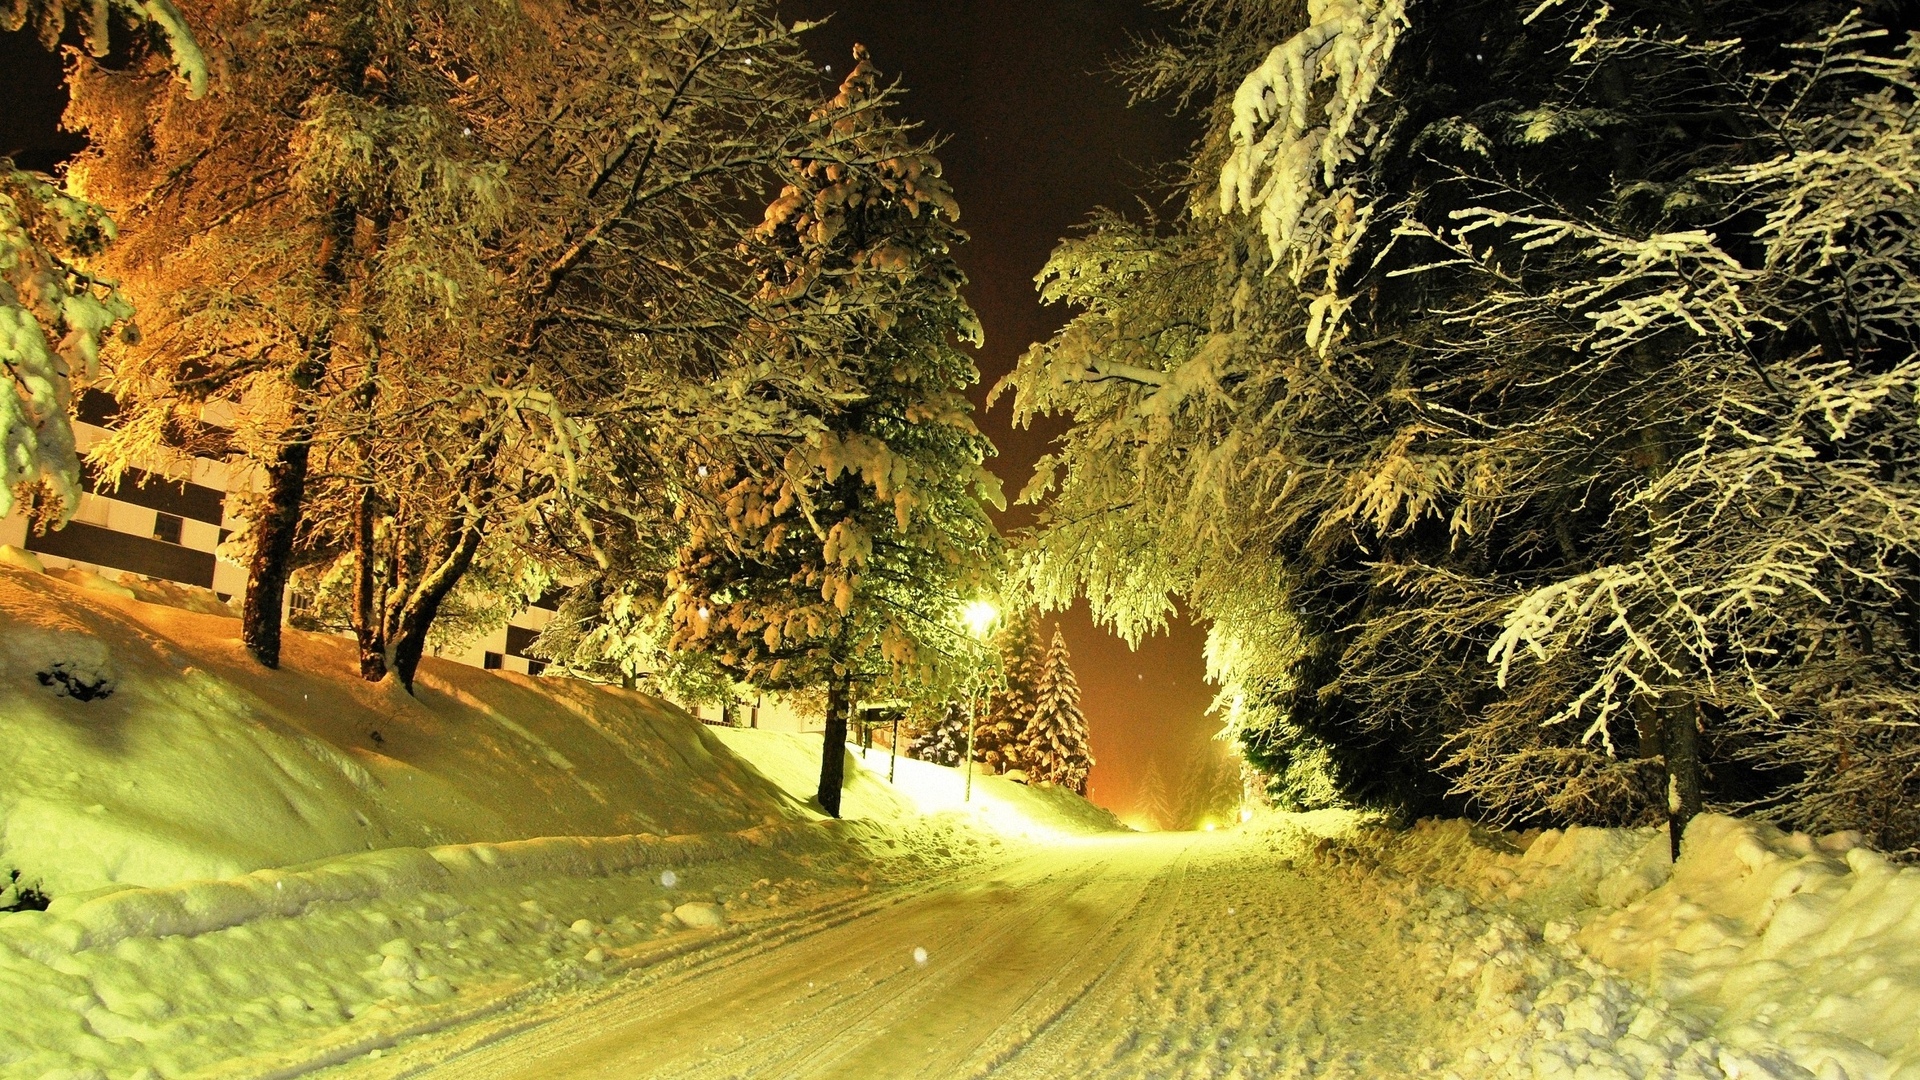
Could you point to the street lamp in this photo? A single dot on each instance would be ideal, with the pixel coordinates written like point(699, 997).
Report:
point(980, 615)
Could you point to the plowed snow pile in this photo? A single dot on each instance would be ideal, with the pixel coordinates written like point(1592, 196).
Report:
point(1590, 955)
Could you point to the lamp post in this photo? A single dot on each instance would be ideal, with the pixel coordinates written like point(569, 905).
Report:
point(980, 616)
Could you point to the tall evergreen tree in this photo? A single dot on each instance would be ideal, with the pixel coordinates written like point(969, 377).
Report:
point(1498, 332)
point(848, 563)
point(1058, 747)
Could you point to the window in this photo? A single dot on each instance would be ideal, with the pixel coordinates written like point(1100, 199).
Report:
point(492, 661)
point(166, 528)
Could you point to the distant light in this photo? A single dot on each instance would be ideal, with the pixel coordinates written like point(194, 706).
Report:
point(980, 616)
point(1209, 826)
point(1246, 814)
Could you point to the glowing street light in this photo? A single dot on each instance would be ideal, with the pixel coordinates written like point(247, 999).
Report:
point(980, 615)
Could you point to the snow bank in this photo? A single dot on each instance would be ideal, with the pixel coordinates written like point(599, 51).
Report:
point(279, 973)
point(1785, 940)
point(265, 872)
point(145, 748)
point(1588, 953)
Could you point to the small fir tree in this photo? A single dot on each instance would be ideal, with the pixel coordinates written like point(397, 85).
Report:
point(1151, 802)
point(1058, 748)
point(945, 743)
point(1000, 737)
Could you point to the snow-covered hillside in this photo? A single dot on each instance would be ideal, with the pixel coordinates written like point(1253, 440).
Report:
point(276, 869)
point(186, 760)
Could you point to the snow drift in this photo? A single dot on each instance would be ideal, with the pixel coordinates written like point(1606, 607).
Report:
point(145, 749)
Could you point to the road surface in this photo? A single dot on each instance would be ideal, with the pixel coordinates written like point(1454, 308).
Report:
point(1157, 956)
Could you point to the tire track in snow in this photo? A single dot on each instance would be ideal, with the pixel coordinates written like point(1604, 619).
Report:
point(1125, 958)
point(826, 1005)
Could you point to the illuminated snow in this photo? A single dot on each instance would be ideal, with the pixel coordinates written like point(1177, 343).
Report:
point(1284, 945)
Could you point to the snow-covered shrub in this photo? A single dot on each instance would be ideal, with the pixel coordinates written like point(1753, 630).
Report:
point(69, 664)
point(16, 895)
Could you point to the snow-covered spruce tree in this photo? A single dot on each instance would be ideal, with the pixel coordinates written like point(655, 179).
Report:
point(1152, 804)
point(850, 561)
point(1000, 736)
point(1761, 608)
point(944, 742)
point(310, 232)
point(1417, 485)
point(1058, 747)
point(55, 312)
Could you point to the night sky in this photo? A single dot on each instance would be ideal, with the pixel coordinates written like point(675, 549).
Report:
point(1037, 135)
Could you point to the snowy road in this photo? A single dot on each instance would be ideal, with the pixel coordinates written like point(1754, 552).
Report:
point(1135, 956)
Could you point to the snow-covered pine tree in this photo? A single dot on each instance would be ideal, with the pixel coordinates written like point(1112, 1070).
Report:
point(849, 558)
point(1152, 805)
point(1607, 214)
point(944, 742)
point(1058, 748)
point(1000, 737)
point(55, 313)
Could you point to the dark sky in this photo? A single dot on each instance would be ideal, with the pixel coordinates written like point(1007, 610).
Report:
point(1037, 135)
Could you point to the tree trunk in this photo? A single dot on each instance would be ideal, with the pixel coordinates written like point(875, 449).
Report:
point(272, 558)
point(423, 606)
point(833, 753)
point(367, 622)
point(1681, 739)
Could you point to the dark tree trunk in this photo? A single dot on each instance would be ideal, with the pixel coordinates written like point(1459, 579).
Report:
point(1682, 745)
point(833, 752)
point(367, 620)
point(424, 605)
point(272, 558)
